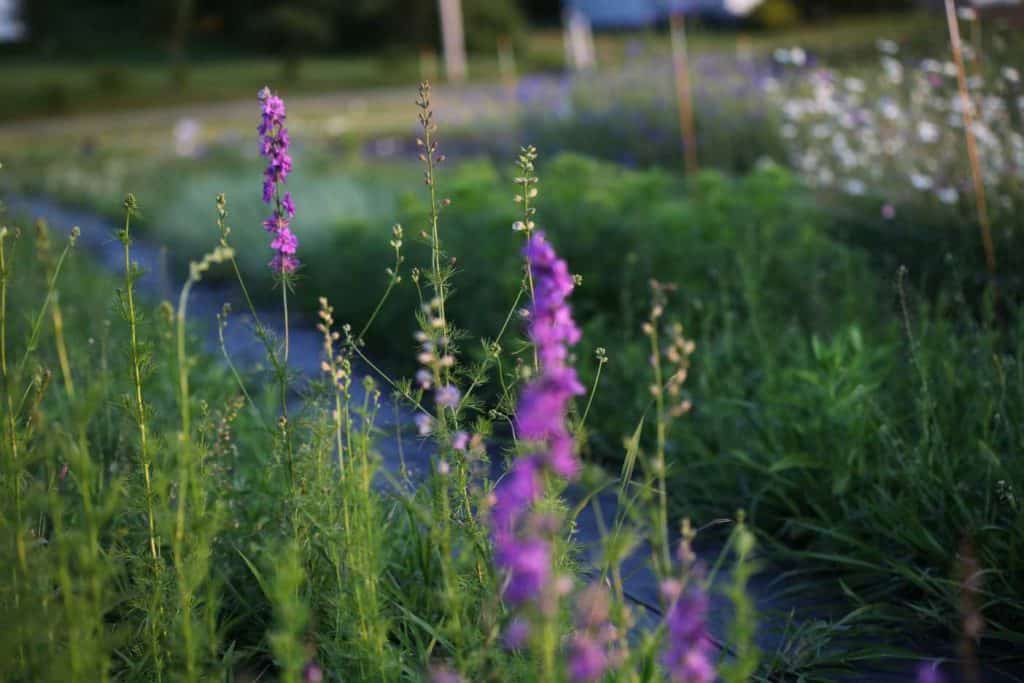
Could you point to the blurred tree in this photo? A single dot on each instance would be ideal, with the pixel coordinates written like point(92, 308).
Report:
point(282, 26)
point(295, 29)
point(814, 9)
point(545, 11)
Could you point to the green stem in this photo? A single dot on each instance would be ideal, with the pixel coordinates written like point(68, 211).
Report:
point(659, 461)
point(136, 360)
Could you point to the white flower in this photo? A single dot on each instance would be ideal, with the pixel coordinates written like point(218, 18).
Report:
point(927, 131)
point(1011, 75)
point(893, 70)
point(854, 85)
point(948, 195)
point(888, 47)
point(798, 56)
point(854, 187)
point(921, 181)
point(891, 110)
point(424, 424)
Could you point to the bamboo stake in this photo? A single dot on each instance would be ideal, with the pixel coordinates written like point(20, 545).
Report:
point(684, 95)
point(972, 145)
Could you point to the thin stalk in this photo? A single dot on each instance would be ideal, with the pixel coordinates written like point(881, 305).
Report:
point(981, 201)
point(261, 331)
point(601, 360)
point(135, 356)
point(222, 322)
point(282, 367)
point(527, 182)
point(659, 458)
point(395, 278)
point(183, 392)
point(56, 315)
point(136, 361)
point(185, 453)
point(479, 377)
point(8, 393)
point(13, 437)
point(62, 350)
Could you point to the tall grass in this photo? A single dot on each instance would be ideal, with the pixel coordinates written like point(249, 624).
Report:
point(158, 526)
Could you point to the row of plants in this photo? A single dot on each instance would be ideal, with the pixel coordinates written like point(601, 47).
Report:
point(171, 516)
point(866, 424)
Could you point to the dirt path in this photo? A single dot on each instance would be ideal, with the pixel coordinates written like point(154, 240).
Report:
point(366, 112)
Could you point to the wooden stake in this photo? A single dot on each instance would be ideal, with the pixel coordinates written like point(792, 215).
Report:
point(428, 65)
point(579, 40)
point(507, 65)
point(972, 145)
point(681, 66)
point(454, 39)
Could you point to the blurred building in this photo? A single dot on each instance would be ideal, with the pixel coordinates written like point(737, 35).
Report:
point(12, 29)
point(632, 14)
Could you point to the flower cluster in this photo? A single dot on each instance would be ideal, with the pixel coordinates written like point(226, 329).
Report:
point(589, 653)
point(904, 128)
point(521, 550)
point(274, 144)
point(689, 651)
point(437, 359)
point(542, 408)
point(687, 656)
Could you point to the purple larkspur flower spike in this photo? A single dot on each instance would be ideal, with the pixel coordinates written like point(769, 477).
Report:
point(687, 656)
point(541, 421)
point(588, 659)
point(274, 144)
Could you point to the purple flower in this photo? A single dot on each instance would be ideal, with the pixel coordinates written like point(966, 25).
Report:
point(587, 659)
point(527, 563)
point(460, 441)
point(284, 242)
point(589, 656)
point(552, 329)
point(442, 674)
point(516, 633)
point(929, 673)
point(424, 423)
point(447, 396)
point(312, 673)
point(541, 414)
point(516, 492)
point(520, 548)
point(688, 650)
point(274, 143)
